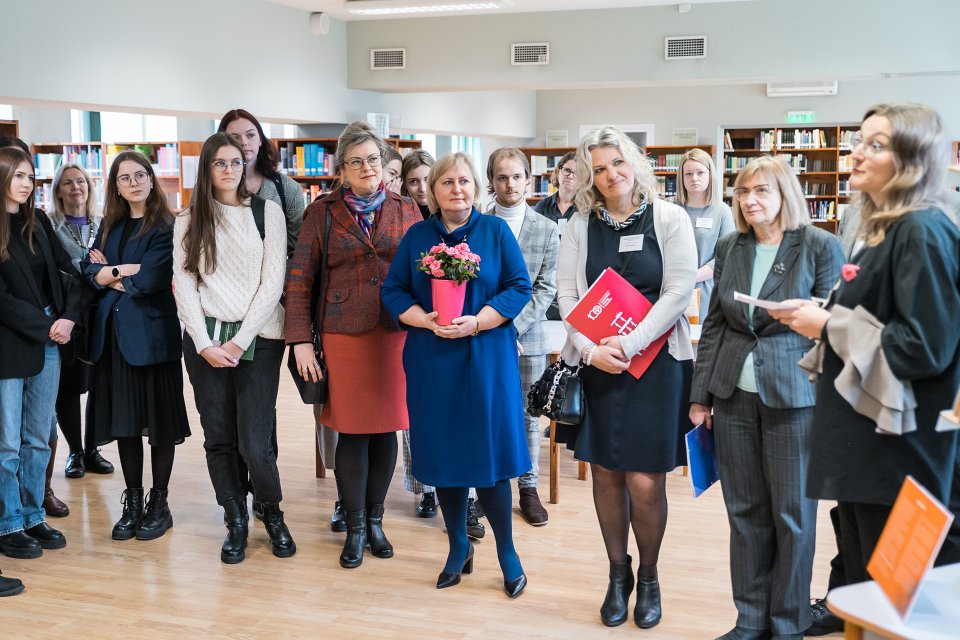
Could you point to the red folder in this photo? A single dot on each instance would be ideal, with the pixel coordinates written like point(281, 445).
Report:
point(612, 306)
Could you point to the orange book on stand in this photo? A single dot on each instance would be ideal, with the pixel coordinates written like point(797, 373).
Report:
point(909, 544)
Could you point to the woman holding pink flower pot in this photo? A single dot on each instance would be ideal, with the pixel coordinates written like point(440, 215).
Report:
point(463, 391)
point(362, 344)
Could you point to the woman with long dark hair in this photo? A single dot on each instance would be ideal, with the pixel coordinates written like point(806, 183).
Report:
point(137, 384)
point(38, 314)
point(229, 258)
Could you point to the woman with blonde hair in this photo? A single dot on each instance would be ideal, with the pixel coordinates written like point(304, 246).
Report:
point(698, 192)
point(895, 310)
point(631, 433)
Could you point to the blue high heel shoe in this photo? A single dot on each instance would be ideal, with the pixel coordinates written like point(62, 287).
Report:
point(447, 579)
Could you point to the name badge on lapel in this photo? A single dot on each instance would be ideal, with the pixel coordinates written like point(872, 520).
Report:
point(631, 243)
point(704, 223)
point(561, 225)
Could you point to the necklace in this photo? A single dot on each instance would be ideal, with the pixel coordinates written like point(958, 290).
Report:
point(77, 234)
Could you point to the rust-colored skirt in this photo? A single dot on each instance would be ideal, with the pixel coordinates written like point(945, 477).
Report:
point(367, 389)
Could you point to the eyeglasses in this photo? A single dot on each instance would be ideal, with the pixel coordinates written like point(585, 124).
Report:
point(761, 191)
point(223, 166)
point(127, 180)
point(356, 163)
point(870, 149)
point(567, 173)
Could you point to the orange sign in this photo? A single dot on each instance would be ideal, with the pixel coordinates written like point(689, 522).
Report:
point(909, 544)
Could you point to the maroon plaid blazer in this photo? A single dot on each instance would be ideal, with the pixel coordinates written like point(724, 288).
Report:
point(356, 267)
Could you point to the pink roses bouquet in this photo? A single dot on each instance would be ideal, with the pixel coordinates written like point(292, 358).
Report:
point(450, 263)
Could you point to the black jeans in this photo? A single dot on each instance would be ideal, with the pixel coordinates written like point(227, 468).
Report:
point(236, 407)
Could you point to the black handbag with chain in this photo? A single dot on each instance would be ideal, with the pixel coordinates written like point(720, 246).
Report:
point(315, 392)
point(558, 395)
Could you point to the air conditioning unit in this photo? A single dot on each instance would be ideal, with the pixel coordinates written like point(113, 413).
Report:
point(801, 89)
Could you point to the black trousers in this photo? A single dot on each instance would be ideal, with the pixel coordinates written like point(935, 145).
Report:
point(237, 407)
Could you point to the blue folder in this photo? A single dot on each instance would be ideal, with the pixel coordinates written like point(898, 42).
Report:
point(701, 459)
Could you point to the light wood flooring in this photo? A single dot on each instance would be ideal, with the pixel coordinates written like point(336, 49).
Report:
point(176, 587)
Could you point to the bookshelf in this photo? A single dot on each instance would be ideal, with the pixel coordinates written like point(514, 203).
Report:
point(819, 157)
point(309, 161)
point(168, 160)
point(666, 164)
point(10, 128)
point(543, 161)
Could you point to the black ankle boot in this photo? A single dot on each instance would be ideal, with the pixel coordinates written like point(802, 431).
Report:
point(156, 518)
point(280, 538)
point(376, 540)
point(338, 521)
point(352, 555)
point(647, 611)
point(234, 548)
point(126, 526)
point(614, 610)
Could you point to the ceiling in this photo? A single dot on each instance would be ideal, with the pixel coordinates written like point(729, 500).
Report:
point(337, 8)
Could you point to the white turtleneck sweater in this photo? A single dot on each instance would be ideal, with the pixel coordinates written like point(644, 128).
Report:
point(513, 216)
point(247, 283)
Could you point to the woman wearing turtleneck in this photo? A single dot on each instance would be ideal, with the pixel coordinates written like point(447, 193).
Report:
point(466, 409)
point(362, 344)
point(76, 220)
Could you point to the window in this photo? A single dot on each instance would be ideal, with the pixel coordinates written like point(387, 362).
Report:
point(6, 112)
point(135, 127)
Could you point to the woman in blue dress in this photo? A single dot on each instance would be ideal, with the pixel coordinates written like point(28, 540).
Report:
point(463, 379)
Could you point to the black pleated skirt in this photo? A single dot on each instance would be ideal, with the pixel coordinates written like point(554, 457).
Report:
point(127, 401)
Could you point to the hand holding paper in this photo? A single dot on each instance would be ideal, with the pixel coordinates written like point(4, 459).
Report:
point(769, 305)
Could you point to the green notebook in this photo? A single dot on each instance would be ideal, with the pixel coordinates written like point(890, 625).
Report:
point(222, 332)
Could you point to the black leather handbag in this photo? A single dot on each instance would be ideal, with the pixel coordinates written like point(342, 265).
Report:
point(558, 395)
point(315, 392)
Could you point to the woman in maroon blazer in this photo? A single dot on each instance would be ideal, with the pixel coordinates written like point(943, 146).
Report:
point(362, 344)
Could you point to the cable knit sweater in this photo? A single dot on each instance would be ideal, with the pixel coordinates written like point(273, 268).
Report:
point(247, 283)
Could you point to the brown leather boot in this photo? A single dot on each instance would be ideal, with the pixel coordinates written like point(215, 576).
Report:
point(51, 504)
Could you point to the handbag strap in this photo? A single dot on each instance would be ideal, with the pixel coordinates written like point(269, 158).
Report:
point(323, 278)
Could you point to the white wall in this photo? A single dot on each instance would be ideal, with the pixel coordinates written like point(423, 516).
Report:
point(190, 57)
point(709, 108)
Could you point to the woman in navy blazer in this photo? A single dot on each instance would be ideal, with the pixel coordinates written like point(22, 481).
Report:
point(137, 387)
point(37, 315)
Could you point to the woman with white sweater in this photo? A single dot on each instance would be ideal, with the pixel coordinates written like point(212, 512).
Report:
point(229, 262)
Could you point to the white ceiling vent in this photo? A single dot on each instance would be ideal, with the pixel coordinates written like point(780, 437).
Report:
point(684, 47)
point(381, 59)
point(530, 53)
point(801, 89)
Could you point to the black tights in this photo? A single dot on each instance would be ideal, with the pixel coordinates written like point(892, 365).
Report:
point(131, 461)
point(68, 416)
point(365, 465)
point(624, 499)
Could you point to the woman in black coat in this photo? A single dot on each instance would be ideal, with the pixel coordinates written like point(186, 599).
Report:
point(894, 312)
point(37, 315)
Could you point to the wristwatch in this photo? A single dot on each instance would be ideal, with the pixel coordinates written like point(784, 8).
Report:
point(116, 272)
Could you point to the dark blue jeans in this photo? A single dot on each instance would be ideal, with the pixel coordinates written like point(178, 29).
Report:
point(236, 407)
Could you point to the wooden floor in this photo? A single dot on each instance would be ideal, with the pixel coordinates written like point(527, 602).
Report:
point(176, 587)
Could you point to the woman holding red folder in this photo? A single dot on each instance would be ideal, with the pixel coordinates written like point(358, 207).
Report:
point(762, 402)
point(631, 433)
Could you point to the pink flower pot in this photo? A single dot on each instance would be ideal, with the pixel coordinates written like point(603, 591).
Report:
point(448, 298)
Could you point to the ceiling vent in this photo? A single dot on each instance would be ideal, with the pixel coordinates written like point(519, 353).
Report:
point(382, 59)
point(684, 47)
point(530, 53)
point(801, 89)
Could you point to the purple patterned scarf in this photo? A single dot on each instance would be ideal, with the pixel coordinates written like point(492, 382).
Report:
point(365, 209)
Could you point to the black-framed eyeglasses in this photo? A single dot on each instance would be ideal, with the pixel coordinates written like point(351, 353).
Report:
point(567, 173)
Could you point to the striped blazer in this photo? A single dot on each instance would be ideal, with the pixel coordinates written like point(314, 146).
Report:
point(807, 264)
point(356, 267)
point(540, 243)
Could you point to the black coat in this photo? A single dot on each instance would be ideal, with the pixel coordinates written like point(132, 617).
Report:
point(24, 327)
point(911, 283)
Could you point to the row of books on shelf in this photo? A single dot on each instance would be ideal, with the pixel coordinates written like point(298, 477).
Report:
point(845, 138)
point(665, 161)
point(88, 157)
point(542, 186)
point(666, 186)
point(543, 164)
point(843, 187)
point(763, 140)
point(816, 189)
point(802, 139)
point(308, 159)
point(801, 163)
point(313, 191)
point(823, 210)
point(165, 159)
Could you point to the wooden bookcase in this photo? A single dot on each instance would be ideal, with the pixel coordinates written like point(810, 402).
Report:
point(10, 128)
point(819, 157)
point(167, 158)
point(309, 161)
point(542, 165)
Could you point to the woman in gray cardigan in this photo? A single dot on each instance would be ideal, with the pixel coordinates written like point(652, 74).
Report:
point(631, 431)
point(75, 218)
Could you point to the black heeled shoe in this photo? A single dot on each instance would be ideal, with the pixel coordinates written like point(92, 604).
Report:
point(447, 579)
point(516, 586)
point(614, 610)
point(647, 612)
